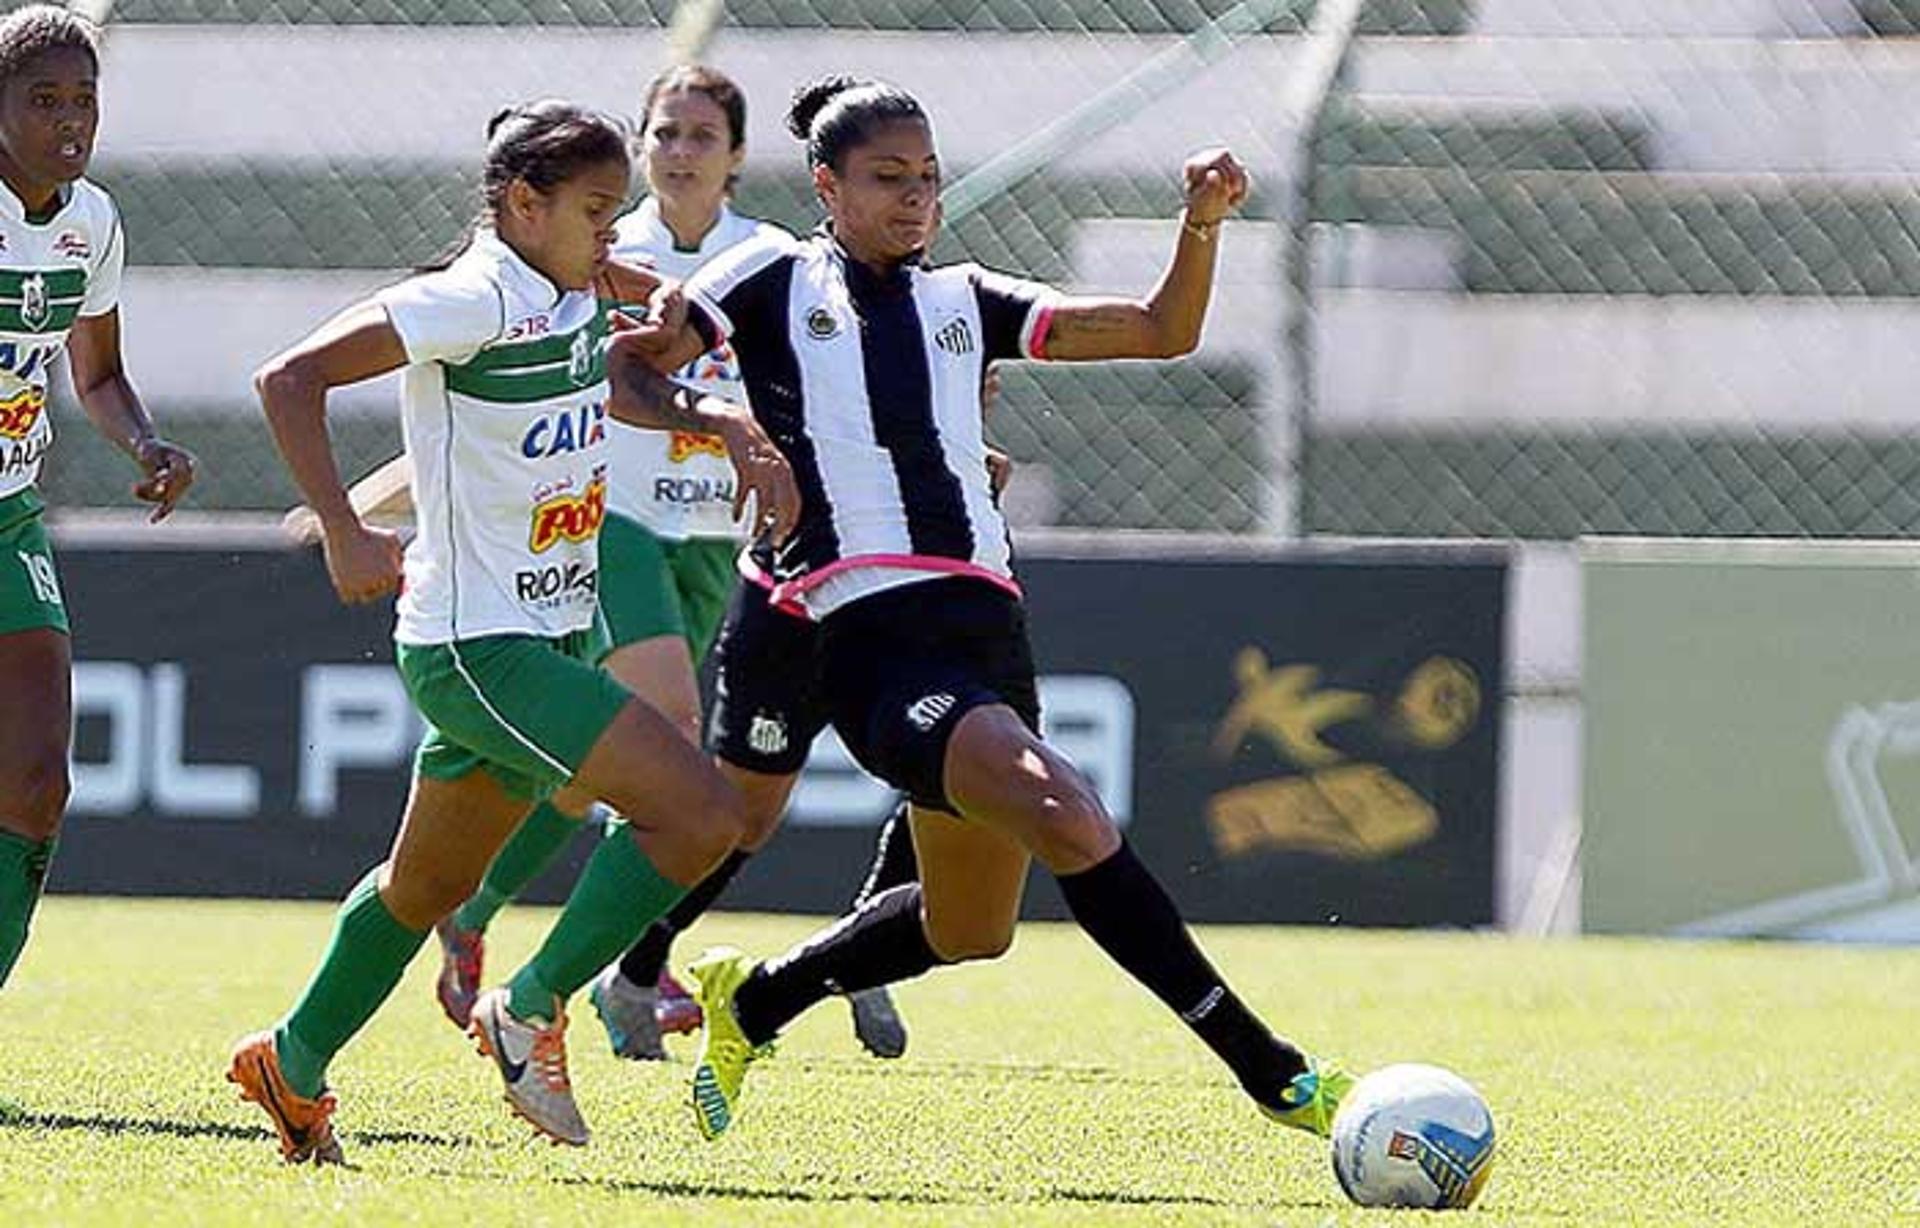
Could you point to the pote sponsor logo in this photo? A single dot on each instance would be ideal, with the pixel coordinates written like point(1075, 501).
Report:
point(19, 413)
point(684, 444)
point(569, 517)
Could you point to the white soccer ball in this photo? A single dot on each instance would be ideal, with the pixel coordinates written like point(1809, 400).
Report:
point(1413, 1136)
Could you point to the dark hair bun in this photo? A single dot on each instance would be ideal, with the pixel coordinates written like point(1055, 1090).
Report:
point(499, 117)
point(812, 98)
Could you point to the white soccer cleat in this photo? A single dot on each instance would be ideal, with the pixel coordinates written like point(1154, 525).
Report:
point(532, 1060)
point(627, 1011)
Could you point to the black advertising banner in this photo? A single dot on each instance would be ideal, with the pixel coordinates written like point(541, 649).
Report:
point(1288, 734)
point(1317, 738)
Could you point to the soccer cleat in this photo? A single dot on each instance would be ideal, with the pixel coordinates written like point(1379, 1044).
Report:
point(305, 1126)
point(463, 959)
point(1314, 1096)
point(532, 1060)
point(877, 1022)
point(675, 1009)
point(627, 1011)
point(725, 1052)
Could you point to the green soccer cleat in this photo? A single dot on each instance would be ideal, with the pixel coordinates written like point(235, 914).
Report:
point(725, 1052)
point(1315, 1095)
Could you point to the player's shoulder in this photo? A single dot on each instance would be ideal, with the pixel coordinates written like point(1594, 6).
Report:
point(756, 230)
point(93, 206)
point(768, 245)
point(472, 287)
point(635, 232)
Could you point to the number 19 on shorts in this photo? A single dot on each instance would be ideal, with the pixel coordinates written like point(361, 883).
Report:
point(46, 585)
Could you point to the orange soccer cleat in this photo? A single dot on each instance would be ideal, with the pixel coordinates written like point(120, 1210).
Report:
point(305, 1126)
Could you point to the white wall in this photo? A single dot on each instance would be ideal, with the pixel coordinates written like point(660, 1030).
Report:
point(1669, 18)
point(1714, 104)
point(287, 94)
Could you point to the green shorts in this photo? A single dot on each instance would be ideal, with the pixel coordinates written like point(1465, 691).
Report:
point(29, 585)
point(651, 587)
point(523, 709)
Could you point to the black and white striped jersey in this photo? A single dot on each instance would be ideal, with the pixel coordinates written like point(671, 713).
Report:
point(870, 385)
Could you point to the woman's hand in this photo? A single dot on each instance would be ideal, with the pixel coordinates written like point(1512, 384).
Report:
point(761, 472)
point(1216, 185)
point(363, 562)
point(167, 472)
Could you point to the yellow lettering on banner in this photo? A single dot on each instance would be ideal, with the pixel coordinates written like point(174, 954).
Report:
point(1358, 811)
point(1284, 706)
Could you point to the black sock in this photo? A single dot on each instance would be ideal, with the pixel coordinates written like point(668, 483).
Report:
point(894, 862)
point(1124, 910)
point(881, 943)
point(644, 960)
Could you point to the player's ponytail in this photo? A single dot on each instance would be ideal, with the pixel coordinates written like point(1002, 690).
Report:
point(835, 114)
point(547, 143)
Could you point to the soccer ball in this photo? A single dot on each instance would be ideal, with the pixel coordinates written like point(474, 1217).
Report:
point(1413, 1136)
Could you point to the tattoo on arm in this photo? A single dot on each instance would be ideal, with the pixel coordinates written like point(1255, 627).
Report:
point(1093, 330)
point(663, 404)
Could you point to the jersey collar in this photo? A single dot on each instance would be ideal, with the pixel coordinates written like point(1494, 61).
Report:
point(862, 278)
point(656, 234)
point(13, 209)
point(537, 284)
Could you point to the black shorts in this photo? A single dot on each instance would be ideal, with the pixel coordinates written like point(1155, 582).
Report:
point(900, 668)
point(767, 703)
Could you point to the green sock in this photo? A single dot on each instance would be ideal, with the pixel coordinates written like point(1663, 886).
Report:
point(362, 965)
point(23, 868)
point(539, 838)
point(619, 894)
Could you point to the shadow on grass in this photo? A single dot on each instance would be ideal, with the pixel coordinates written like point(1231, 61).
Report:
point(992, 1072)
point(708, 1189)
point(16, 1117)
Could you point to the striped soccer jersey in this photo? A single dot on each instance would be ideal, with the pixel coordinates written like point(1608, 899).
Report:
point(870, 385)
point(51, 274)
point(504, 410)
point(677, 484)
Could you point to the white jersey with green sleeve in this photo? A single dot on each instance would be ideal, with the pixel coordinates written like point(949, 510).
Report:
point(680, 485)
point(504, 412)
point(51, 273)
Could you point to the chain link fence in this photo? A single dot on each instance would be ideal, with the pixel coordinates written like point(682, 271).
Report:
point(1552, 266)
point(1620, 267)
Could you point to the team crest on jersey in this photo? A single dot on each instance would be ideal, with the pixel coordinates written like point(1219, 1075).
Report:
point(821, 325)
point(955, 337)
point(580, 357)
point(35, 308)
point(19, 413)
point(569, 517)
point(767, 735)
point(72, 243)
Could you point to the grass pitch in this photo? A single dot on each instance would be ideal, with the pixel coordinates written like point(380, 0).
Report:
point(1658, 1083)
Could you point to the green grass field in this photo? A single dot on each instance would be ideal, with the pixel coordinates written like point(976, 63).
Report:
point(1631, 1081)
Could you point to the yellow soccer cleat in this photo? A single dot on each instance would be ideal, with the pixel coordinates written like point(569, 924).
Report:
point(725, 1052)
point(1314, 1096)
